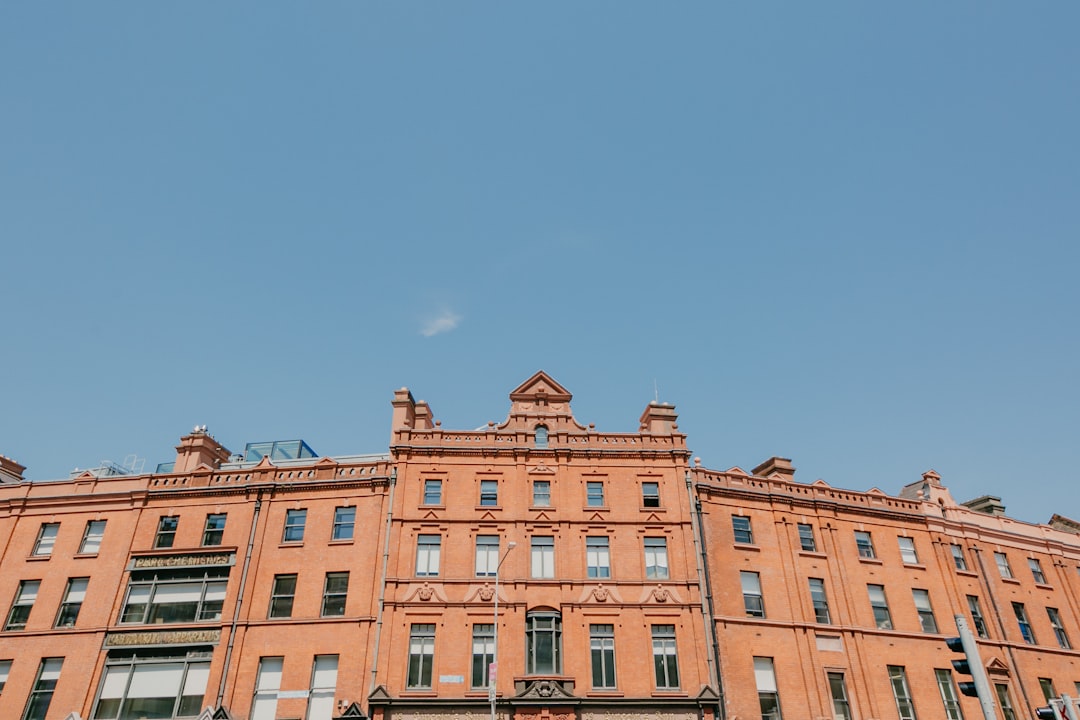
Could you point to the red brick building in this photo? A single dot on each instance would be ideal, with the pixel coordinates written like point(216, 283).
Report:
point(562, 571)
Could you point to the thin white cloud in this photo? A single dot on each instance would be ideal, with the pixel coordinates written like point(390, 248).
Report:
point(445, 321)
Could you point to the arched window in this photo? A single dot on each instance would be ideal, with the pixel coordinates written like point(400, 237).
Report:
point(543, 643)
point(541, 436)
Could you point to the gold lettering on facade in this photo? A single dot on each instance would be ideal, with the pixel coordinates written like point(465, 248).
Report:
point(162, 561)
point(163, 637)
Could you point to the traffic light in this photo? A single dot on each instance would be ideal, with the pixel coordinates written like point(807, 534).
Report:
point(963, 667)
point(1048, 712)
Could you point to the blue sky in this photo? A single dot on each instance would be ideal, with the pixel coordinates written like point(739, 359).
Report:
point(846, 233)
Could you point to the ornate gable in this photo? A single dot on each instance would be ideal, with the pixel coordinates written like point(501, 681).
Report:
point(540, 401)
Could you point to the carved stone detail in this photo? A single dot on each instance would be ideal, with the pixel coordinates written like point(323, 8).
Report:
point(660, 593)
point(426, 592)
point(600, 593)
point(486, 593)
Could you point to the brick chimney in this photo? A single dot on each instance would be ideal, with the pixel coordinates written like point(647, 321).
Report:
point(989, 504)
point(199, 448)
point(776, 467)
point(659, 419)
point(10, 471)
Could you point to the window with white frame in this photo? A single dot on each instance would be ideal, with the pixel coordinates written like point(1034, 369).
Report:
point(214, 530)
point(267, 684)
point(958, 556)
point(421, 655)
point(74, 595)
point(949, 697)
point(1059, 628)
point(650, 494)
point(806, 537)
point(926, 612)
point(864, 543)
point(597, 557)
point(543, 643)
point(542, 552)
point(5, 669)
point(656, 559)
point(295, 521)
point(1004, 701)
point(489, 492)
point(46, 539)
point(335, 593)
point(879, 606)
point(768, 697)
point(483, 654)
point(594, 493)
point(433, 492)
point(901, 692)
point(344, 524)
point(23, 604)
point(1004, 569)
point(160, 683)
point(602, 654)
point(820, 601)
point(541, 496)
point(751, 590)
point(92, 537)
point(1037, 571)
point(907, 550)
point(175, 596)
point(665, 657)
point(428, 550)
point(41, 695)
point(977, 617)
point(282, 594)
point(323, 688)
point(1022, 621)
point(838, 691)
point(740, 526)
point(487, 555)
point(166, 531)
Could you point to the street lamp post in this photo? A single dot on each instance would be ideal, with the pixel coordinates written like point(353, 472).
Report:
point(494, 668)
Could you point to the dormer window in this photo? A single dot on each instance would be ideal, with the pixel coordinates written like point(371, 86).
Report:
point(541, 436)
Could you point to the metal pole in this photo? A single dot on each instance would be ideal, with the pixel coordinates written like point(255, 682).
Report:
point(494, 668)
point(978, 673)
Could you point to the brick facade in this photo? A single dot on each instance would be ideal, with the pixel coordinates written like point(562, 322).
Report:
point(632, 583)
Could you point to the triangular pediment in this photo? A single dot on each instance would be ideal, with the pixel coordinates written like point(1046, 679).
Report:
point(431, 515)
point(540, 385)
point(488, 516)
point(996, 666)
point(542, 515)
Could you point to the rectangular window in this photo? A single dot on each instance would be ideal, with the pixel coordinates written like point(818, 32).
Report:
point(1022, 622)
point(901, 693)
point(46, 539)
point(489, 492)
point(159, 685)
point(751, 592)
point(1004, 701)
point(949, 697)
point(977, 616)
point(483, 653)
point(541, 493)
point(37, 705)
point(281, 596)
point(820, 601)
point(597, 557)
point(421, 656)
point(335, 590)
point(740, 526)
point(1047, 687)
point(175, 596)
point(344, 524)
point(880, 606)
point(594, 494)
point(433, 492)
point(865, 545)
point(665, 659)
point(5, 668)
point(214, 532)
point(24, 601)
point(926, 612)
point(166, 531)
point(543, 556)
point(295, 520)
point(650, 494)
point(428, 549)
point(72, 603)
point(958, 556)
point(656, 561)
point(838, 691)
point(1036, 570)
point(1002, 561)
point(1059, 628)
point(806, 538)
point(323, 687)
point(267, 685)
point(92, 537)
point(768, 697)
point(907, 551)
point(487, 555)
point(543, 643)
point(602, 651)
